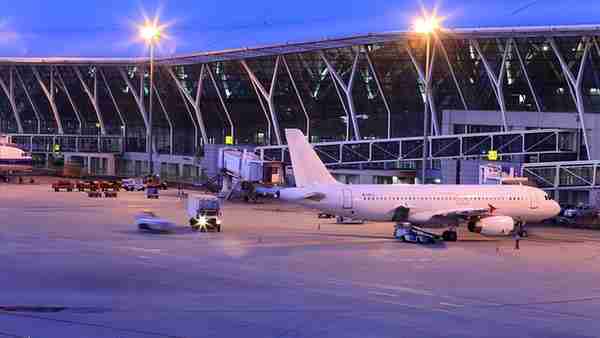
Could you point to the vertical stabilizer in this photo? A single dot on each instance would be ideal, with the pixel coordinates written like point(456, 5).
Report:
point(308, 168)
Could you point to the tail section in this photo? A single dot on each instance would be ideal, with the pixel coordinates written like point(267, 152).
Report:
point(308, 167)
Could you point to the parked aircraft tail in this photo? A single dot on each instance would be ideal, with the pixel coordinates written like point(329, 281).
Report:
point(308, 168)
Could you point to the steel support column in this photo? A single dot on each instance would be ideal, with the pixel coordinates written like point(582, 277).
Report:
point(289, 71)
point(9, 90)
point(167, 117)
point(264, 109)
point(267, 95)
point(36, 112)
point(138, 100)
point(383, 98)
point(595, 41)
point(49, 92)
point(439, 42)
point(192, 118)
point(63, 86)
point(347, 88)
point(349, 118)
point(222, 101)
point(496, 80)
point(194, 102)
point(429, 101)
point(93, 96)
point(526, 74)
point(114, 101)
point(575, 83)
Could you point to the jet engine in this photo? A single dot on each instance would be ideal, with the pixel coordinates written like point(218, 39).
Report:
point(493, 226)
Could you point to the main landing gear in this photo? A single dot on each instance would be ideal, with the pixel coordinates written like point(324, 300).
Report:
point(521, 229)
point(450, 235)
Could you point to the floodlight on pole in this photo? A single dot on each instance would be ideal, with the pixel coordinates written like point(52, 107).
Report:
point(151, 32)
point(427, 25)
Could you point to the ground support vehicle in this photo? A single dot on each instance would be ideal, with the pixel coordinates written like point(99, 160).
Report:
point(60, 185)
point(110, 194)
point(82, 186)
point(155, 180)
point(109, 185)
point(204, 212)
point(149, 221)
point(94, 194)
point(413, 234)
point(86, 186)
point(348, 220)
point(133, 184)
point(152, 192)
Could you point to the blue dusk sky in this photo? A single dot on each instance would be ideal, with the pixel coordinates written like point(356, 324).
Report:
point(107, 27)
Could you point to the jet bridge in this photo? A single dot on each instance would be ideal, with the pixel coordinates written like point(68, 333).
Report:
point(572, 175)
point(459, 146)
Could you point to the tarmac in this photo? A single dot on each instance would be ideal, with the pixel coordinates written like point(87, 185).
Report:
point(71, 266)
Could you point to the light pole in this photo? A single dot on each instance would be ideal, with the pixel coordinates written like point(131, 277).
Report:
point(426, 25)
point(151, 33)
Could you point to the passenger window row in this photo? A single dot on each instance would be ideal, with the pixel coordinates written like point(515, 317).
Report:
point(445, 198)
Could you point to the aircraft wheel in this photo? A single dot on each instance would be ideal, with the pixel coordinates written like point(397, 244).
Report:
point(449, 236)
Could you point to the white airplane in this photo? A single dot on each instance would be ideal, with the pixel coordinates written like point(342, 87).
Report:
point(14, 159)
point(492, 210)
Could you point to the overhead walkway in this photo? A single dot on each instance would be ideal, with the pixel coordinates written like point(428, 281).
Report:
point(572, 175)
point(45, 144)
point(460, 146)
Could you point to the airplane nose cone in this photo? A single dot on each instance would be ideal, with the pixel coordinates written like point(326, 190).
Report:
point(555, 208)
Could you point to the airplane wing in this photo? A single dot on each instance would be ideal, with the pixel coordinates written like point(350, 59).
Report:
point(314, 196)
point(462, 213)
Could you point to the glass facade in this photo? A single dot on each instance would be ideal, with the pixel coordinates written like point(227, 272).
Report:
point(248, 96)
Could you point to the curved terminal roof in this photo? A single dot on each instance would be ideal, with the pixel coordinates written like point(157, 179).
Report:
point(299, 47)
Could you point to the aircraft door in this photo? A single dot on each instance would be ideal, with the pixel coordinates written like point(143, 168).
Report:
point(347, 199)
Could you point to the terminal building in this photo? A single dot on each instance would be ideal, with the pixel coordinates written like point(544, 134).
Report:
point(373, 103)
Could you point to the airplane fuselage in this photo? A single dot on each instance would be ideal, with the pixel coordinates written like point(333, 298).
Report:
point(14, 159)
point(423, 202)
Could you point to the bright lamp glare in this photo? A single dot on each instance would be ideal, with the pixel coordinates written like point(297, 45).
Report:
point(427, 25)
point(150, 32)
